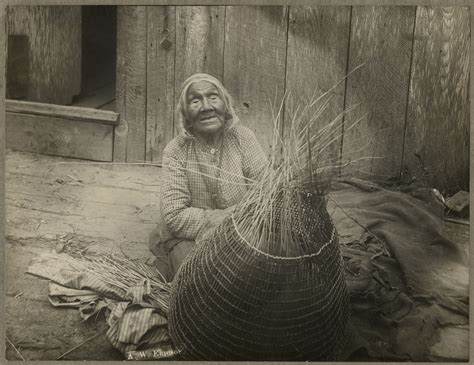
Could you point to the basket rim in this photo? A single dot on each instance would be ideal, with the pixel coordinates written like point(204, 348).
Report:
point(284, 258)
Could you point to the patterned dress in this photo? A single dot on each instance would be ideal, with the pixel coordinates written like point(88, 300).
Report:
point(198, 178)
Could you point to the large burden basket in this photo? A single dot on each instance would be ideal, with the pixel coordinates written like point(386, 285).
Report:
point(232, 301)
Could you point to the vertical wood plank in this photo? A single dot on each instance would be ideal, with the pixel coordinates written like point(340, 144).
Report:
point(120, 131)
point(54, 37)
point(160, 79)
point(437, 136)
point(199, 43)
point(317, 59)
point(3, 221)
point(381, 38)
point(130, 135)
point(254, 63)
point(65, 38)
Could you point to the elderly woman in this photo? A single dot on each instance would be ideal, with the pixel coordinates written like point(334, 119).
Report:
point(207, 168)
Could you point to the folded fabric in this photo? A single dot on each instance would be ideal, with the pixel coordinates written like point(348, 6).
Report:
point(61, 296)
point(132, 327)
point(133, 320)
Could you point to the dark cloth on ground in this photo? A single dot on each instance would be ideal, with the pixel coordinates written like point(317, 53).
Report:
point(411, 226)
point(406, 279)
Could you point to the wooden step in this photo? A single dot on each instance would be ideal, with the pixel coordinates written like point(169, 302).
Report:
point(59, 130)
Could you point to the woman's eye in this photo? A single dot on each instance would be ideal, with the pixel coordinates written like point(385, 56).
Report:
point(214, 97)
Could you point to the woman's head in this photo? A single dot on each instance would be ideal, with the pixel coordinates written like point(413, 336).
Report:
point(204, 106)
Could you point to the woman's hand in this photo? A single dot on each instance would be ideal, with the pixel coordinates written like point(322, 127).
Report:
point(214, 219)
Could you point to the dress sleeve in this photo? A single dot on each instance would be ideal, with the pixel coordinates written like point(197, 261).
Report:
point(254, 159)
point(182, 220)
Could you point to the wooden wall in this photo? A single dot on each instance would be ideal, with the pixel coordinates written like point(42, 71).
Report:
point(412, 86)
point(53, 53)
point(437, 131)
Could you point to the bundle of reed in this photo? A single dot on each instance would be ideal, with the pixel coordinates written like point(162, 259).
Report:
point(267, 283)
point(116, 275)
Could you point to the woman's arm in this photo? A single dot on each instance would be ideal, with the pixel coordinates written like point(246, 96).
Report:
point(183, 220)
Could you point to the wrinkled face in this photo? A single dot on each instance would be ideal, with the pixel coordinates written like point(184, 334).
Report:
point(205, 110)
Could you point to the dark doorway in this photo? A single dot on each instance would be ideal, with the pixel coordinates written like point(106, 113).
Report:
point(17, 72)
point(99, 46)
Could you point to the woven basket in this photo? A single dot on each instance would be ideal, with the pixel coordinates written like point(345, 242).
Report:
point(232, 301)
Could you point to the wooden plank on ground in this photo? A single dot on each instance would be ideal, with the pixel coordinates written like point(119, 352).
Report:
point(161, 49)
point(54, 36)
point(54, 136)
point(381, 39)
point(318, 41)
point(254, 64)
point(130, 135)
point(62, 112)
point(199, 41)
point(105, 207)
point(437, 136)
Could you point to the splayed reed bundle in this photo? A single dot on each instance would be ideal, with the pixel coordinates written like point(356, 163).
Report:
point(119, 274)
point(267, 284)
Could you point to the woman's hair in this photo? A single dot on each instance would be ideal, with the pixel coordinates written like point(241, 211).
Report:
point(230, 117)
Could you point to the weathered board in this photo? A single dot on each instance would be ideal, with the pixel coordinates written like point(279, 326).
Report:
point(254, 64)
point(130, 135)
point(60, 137)
point(2, 136)
point(108, 207)
point(61, 111)
point(318, 41)
point(381, 40)
point(199, 43)
point(161, 50)
point(437, 138)
point(54, 37)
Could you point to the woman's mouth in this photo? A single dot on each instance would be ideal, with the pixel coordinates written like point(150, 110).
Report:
point(207, 119)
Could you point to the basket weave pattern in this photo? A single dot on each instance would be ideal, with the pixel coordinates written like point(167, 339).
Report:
point(231, 301)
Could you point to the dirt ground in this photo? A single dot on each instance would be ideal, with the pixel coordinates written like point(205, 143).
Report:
point(104, 208)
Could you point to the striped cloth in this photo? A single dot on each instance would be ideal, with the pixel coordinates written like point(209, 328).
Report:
point(133, 321)
point(193, 183)
point(136, 324)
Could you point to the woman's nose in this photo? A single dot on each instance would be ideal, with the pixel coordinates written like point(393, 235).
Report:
point(205, 104)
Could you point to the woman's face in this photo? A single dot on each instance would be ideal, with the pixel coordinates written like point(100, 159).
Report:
point(205, 110)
